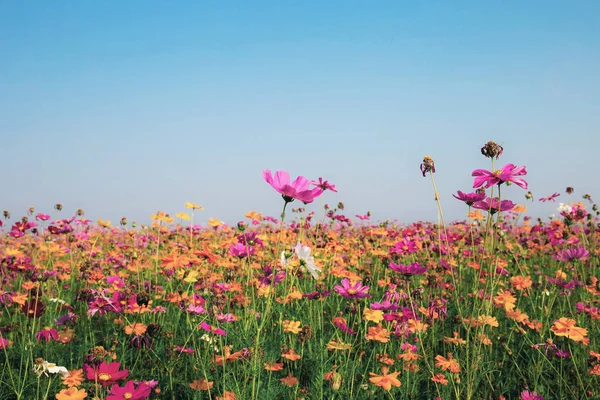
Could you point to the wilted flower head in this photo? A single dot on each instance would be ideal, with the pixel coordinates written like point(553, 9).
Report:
point(569, 190)
point(492, 150)
point(427, 165)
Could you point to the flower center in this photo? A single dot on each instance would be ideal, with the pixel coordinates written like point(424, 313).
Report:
point(104, 377)
point(351, 291)
point(497, 172)
point(127, 395)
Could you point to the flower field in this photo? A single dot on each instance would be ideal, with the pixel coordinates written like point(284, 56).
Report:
point(309, 304)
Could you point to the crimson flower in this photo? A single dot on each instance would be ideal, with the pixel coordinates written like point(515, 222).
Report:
point(469, 198)
point(508, 173)
point(349, 291)
point(47, 334)
point(494, 205)
point(129, 391)
point(299, 189)
point(106, 374)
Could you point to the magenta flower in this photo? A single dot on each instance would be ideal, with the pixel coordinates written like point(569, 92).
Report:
point(106, 374)
point(299, 189)
point(403, 247)
point(527, 395)
point(349, 291)
point(324, 185)
point(508, 173)
point(47, 334)
point(567, 255)
point(212, 329)
point(494, 205)
point(469, 198)
point(549, 197)
point(240, 250)
point(408, 270)
point(129, 391)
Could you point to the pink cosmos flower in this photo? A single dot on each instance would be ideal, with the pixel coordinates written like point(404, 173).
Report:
point(527, 395)
point(494, 205)
point(408, 270)
point(129, 391)
point(106, 374)
point(549, 197)
point(469, 198)
point(47, 334)
point(324, 185)
point(508, 173)
point(349, 291)
point(299, 189)
point(212, 329)
point(572, 254)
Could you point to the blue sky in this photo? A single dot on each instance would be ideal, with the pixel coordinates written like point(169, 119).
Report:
point(124, 108)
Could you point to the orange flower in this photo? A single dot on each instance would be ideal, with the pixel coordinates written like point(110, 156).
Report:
point(447, 363)
point(373, 315)
point(201, 384)
point(379, 334)
point(291, 355)
point(292, 326)
point(337, 344)
point(75, 378)
point(273, 366)
point(226, 396)
point(71, 393)
point(137, 328)
point(521, 282)
point(505, 299)
point(289, 380)
point(385, 381)
point(455, 340)
point(487, 320)
point(566, 327)
point(440, 378)
point(517, 315)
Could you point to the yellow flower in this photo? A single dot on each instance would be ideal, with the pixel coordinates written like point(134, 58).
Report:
point(292, 326)
point(183, 216)
point(104, 224)
point(193, 206)
point(373, 315)
point(337, 344)
point(214, 222)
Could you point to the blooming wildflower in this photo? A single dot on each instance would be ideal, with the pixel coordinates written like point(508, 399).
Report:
point(71, 393)
point(273, 366)
point(494, 205)
point(385, 380)
point(324, 185)
point(427, 166)
point(568, 255)
point(527, 395)
point(44, 367)
point(306, 260)
point(226, 396)
point(289, 380)
point(106, 374)
point(446, 364)
point(349, 291)
point(551, 197)
point(47, 334)
point(292, 326)
point(136, 328)
point(130, 391)
point(566, 327)
point(74, 378)
point(337, 344)
point(454, 340)
point(193, 206)
point(404, 247)
point(343, 325)
point(201, 384)
point(508, 173)
point(505, 299)
point(521, 282)
point(291, 355)
point(440, 378)
point(408, 270)
point(378, 333)
point(212, 329)
point(469, 198)
point(241, 250)
point(299, 189)
point(564, 209)
point(373, 315)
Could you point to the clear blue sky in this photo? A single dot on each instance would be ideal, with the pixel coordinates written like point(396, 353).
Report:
point(123, 108)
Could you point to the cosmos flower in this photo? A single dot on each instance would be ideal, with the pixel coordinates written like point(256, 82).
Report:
point(306, 260)
point(324, 185)
point(408, 270)
point(71, 393)
point(567, 255)
point(385, 380)
point(494, 205)
point(508, 173)
point(469, 198)
point(130, 391)
point(551, 197)
point(349, 291)
point(299, 189)
point(106, 373)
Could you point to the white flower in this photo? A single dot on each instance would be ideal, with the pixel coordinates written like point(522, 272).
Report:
point(45, 367)
point(564, 208)
point(284, 261)
point(303, 253)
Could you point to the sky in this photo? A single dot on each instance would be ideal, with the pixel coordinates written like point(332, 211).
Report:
point(124, 108)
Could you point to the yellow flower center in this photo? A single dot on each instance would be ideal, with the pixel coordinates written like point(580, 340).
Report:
point(497, 172)
point(351, 291)
point(128, 395)
point(104, 376)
